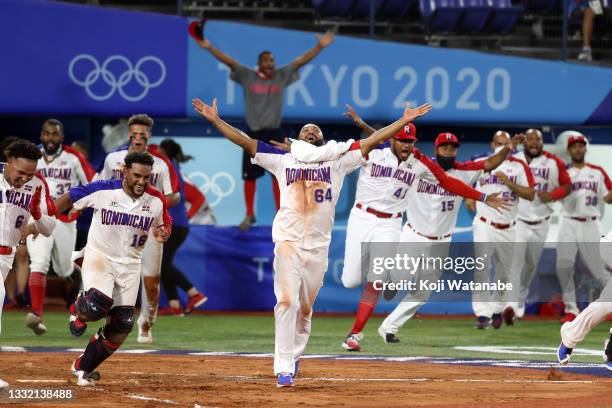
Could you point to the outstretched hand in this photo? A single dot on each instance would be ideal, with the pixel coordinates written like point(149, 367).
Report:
point(350, 113)
point(210, 113)
point(325, 39)
point(411, 114)
point(204, 43)
point(517, 140)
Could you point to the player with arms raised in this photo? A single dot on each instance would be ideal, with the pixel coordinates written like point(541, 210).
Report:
point(302, 227)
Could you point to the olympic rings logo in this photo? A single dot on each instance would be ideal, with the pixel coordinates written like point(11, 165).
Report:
point(216, 188)
point(115, 82)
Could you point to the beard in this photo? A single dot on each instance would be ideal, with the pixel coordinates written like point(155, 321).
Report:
point(52, 151)
point(445, 162)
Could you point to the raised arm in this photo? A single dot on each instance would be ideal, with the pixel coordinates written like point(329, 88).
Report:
point(236, 136)
point(492, 162)
point(218, 54)
point(381, 135)
point(350, 112)
point(322, 42)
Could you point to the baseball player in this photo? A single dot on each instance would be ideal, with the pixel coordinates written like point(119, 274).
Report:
point(575, 331)
point(164, 179)
point(432, 216)
point(552, 183)
point(302, 227)
point(579, 229)
point(25, 205)
point(125, 211)
point(495, 232)
point(379, 203)
point(63, 167)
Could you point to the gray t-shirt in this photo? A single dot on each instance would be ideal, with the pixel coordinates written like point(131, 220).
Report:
point(263, 98)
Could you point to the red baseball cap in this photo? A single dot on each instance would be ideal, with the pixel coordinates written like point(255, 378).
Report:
point(408, 132)
point(576, 138)
point(446, 137)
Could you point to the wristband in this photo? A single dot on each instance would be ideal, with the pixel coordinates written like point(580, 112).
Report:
point(484, 197)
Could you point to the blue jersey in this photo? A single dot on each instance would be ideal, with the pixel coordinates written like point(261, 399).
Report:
point(179, 211)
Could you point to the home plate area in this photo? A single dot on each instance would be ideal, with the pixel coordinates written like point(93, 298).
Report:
point(150, 378)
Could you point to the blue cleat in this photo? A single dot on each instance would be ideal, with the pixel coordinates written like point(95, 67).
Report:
point(564, 353)
point(296, 368)
point(284, 380)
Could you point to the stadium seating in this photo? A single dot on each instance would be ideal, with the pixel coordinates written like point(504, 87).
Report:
point(476, 15)
point(333, 8)
point(395, 10)
point(441, 15)
point(505, 16)
point(361, 8)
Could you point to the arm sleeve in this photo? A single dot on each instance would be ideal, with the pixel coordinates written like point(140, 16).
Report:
point(194, 197)
point(606, 186)
point(84, 196)
point(84, 169)
point(241, 74)
point(564, 180)
point(47, 206)
point(268, 157)
point(170, 180)
point(45, 225)
point(352, 159)
point(451, 184)
point(526, 178)
point(289, 75)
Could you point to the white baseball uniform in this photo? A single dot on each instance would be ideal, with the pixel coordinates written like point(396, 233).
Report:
point(579, 230)
point(164, 179)
point(533, 221)
point(302, 232)
point(575, 331)
point(67, 168)
point(382, 195)
point(494, 234)
point(15, 216)
point(432, 216)
point(119, 230)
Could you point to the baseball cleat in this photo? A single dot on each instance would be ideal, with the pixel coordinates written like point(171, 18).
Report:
point(608, 352)
point(145, 335)
point(509, 315)
point(564, 353)
point(84, 378)
point(77, 326)
point(247, 223)
point(3, 384)
point(482, 322)
point(387, 337)
point(496, 320)
point(34, 322)
point(284, 380)
point(351, 343)
point(568, 317)
point(296, 368)
point(195, 301)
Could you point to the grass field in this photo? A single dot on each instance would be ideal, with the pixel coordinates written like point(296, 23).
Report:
point(432, 337)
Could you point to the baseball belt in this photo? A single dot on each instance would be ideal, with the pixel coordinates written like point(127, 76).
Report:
point(377, 213)
point(583, 219)
point(497, 225)
point(439, 238)
point(538, 222)
point(6, 250)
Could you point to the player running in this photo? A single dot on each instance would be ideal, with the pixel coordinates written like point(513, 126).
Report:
point(125, 211)
point(24, 196)
point(575, 331)
point(376, 216)
point(63, 167)
point(164, 179)
point(552, 183)
point(495, 232)
point(579, 230)
point(432, 216)
point(302, 227)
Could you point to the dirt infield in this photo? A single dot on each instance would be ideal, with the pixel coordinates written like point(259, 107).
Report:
point(168, 380)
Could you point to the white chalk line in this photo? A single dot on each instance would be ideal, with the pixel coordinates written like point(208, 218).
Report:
point(461, 380)
point(146, 398)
